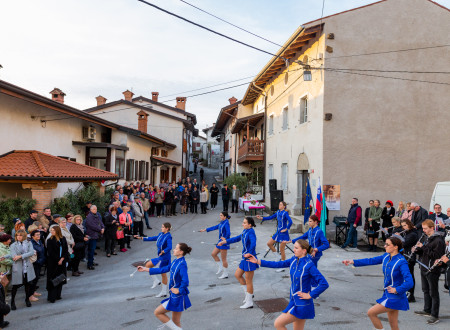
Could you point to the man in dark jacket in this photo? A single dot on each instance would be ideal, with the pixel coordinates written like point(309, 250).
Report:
point(428, 253)
point(418, 216)
point(438, 218)
point(94, 228)
point(4, 307)
point(353, 221)
point(225, 197)
point(32, 218)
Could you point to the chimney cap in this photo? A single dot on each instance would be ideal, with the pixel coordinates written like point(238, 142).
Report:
point(155, 93)
point(232, 100)
point(57, 91)
point(101, 98)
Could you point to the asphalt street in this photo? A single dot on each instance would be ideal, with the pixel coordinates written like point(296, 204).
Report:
point(108, 298)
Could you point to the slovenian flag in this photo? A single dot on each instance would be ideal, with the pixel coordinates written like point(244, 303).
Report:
point(319, 200)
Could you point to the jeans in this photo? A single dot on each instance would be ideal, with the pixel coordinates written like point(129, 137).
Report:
point(146, 219)
point(430, 288)
point(352, 237)
point(92, 244)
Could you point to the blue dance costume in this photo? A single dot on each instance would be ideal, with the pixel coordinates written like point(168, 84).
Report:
point(396, 275)
point(224, 231)
point(178, 279)
point(302, 272)
point(317, 240)
point(284, 222)
point(248, 238)
point(163, 243)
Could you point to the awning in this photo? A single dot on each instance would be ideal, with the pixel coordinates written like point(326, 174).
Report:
point(99, 145)
point(165, 161)
point(242, 122)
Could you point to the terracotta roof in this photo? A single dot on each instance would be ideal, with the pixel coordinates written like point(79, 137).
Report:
point(242, 122)
point(226, 113)
point(36, 165)
point(165, 161)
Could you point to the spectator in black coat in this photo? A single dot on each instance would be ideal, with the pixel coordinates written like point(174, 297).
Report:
point(111, 224)
point(411, 239)
point(31, 219)
point(39, 247)
point(419, 215)
point(168, 200)
point(225, 197)
point(4, 307)
point(214, 195)
point(195, 195)
point(386, 216)
point(438, 218)
point(57, 256)
point(79, 247)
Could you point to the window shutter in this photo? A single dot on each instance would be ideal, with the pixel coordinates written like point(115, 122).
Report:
point(147, 170)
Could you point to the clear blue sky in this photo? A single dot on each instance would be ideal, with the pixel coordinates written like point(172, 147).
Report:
point(88, 48)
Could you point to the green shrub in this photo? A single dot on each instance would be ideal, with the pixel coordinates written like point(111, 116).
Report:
point(237, 179)
point(11, 208)
point(74, 201)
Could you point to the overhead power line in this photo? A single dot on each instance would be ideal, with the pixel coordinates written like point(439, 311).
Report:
point(238, 27)
point(210, 30)
point(387, 52)
point(199, 89)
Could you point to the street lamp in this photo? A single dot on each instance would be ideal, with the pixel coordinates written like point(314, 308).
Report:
point(307, 75)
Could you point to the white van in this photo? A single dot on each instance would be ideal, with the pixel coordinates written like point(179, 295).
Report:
point(441, 195)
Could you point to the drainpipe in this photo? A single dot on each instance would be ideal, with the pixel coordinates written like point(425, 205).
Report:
point(259, 90)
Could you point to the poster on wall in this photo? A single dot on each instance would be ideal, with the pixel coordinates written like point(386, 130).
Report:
point(332, 194)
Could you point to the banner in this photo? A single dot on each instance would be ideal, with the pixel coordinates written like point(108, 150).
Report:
point(332, 195)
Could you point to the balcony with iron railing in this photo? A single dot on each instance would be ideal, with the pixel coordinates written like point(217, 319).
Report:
point(251, 150)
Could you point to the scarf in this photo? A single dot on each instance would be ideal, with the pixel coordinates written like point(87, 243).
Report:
point(80, 226)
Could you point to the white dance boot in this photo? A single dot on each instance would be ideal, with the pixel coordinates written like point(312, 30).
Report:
point(248, 301)
point(220, 269)
point(163, 292)
point(171, 325)
point(244, 287)
point(156, 281)
point(224, 274)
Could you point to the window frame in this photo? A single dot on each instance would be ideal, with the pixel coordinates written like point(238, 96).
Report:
point(284, 176)
point(303, 109)
point(285, 118)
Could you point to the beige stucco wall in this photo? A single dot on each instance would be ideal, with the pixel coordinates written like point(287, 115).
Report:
point(21, 132)
point(285, 146)
point(388, 139)
point(167, 129)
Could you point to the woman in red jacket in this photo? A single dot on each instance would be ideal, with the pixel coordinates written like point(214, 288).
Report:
point(125, 221)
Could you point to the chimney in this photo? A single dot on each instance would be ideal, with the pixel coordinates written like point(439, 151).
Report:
point(57, 95)
point(142, 121)
point(232, 100)
point(181, 103)
point(128, 95)
point(155, 96)
point(100, 100)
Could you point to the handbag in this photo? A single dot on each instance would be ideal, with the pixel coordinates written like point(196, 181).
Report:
point(120, 234)
point(58, 280)
point(33, 258)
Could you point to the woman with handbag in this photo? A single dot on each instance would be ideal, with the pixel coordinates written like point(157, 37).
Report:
point(80, 239)
point(374, 225)
point(57, 256)
point(22, 268)
point(70, 242)
point(303, 273)
point(125, 222)
point(111, 224)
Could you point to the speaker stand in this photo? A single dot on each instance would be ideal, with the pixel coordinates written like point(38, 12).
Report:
point(277, 246)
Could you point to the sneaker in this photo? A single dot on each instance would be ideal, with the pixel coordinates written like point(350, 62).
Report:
point(423, 313)
point(433, 320)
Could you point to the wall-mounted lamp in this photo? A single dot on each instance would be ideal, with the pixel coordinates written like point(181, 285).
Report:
point(307, 75)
